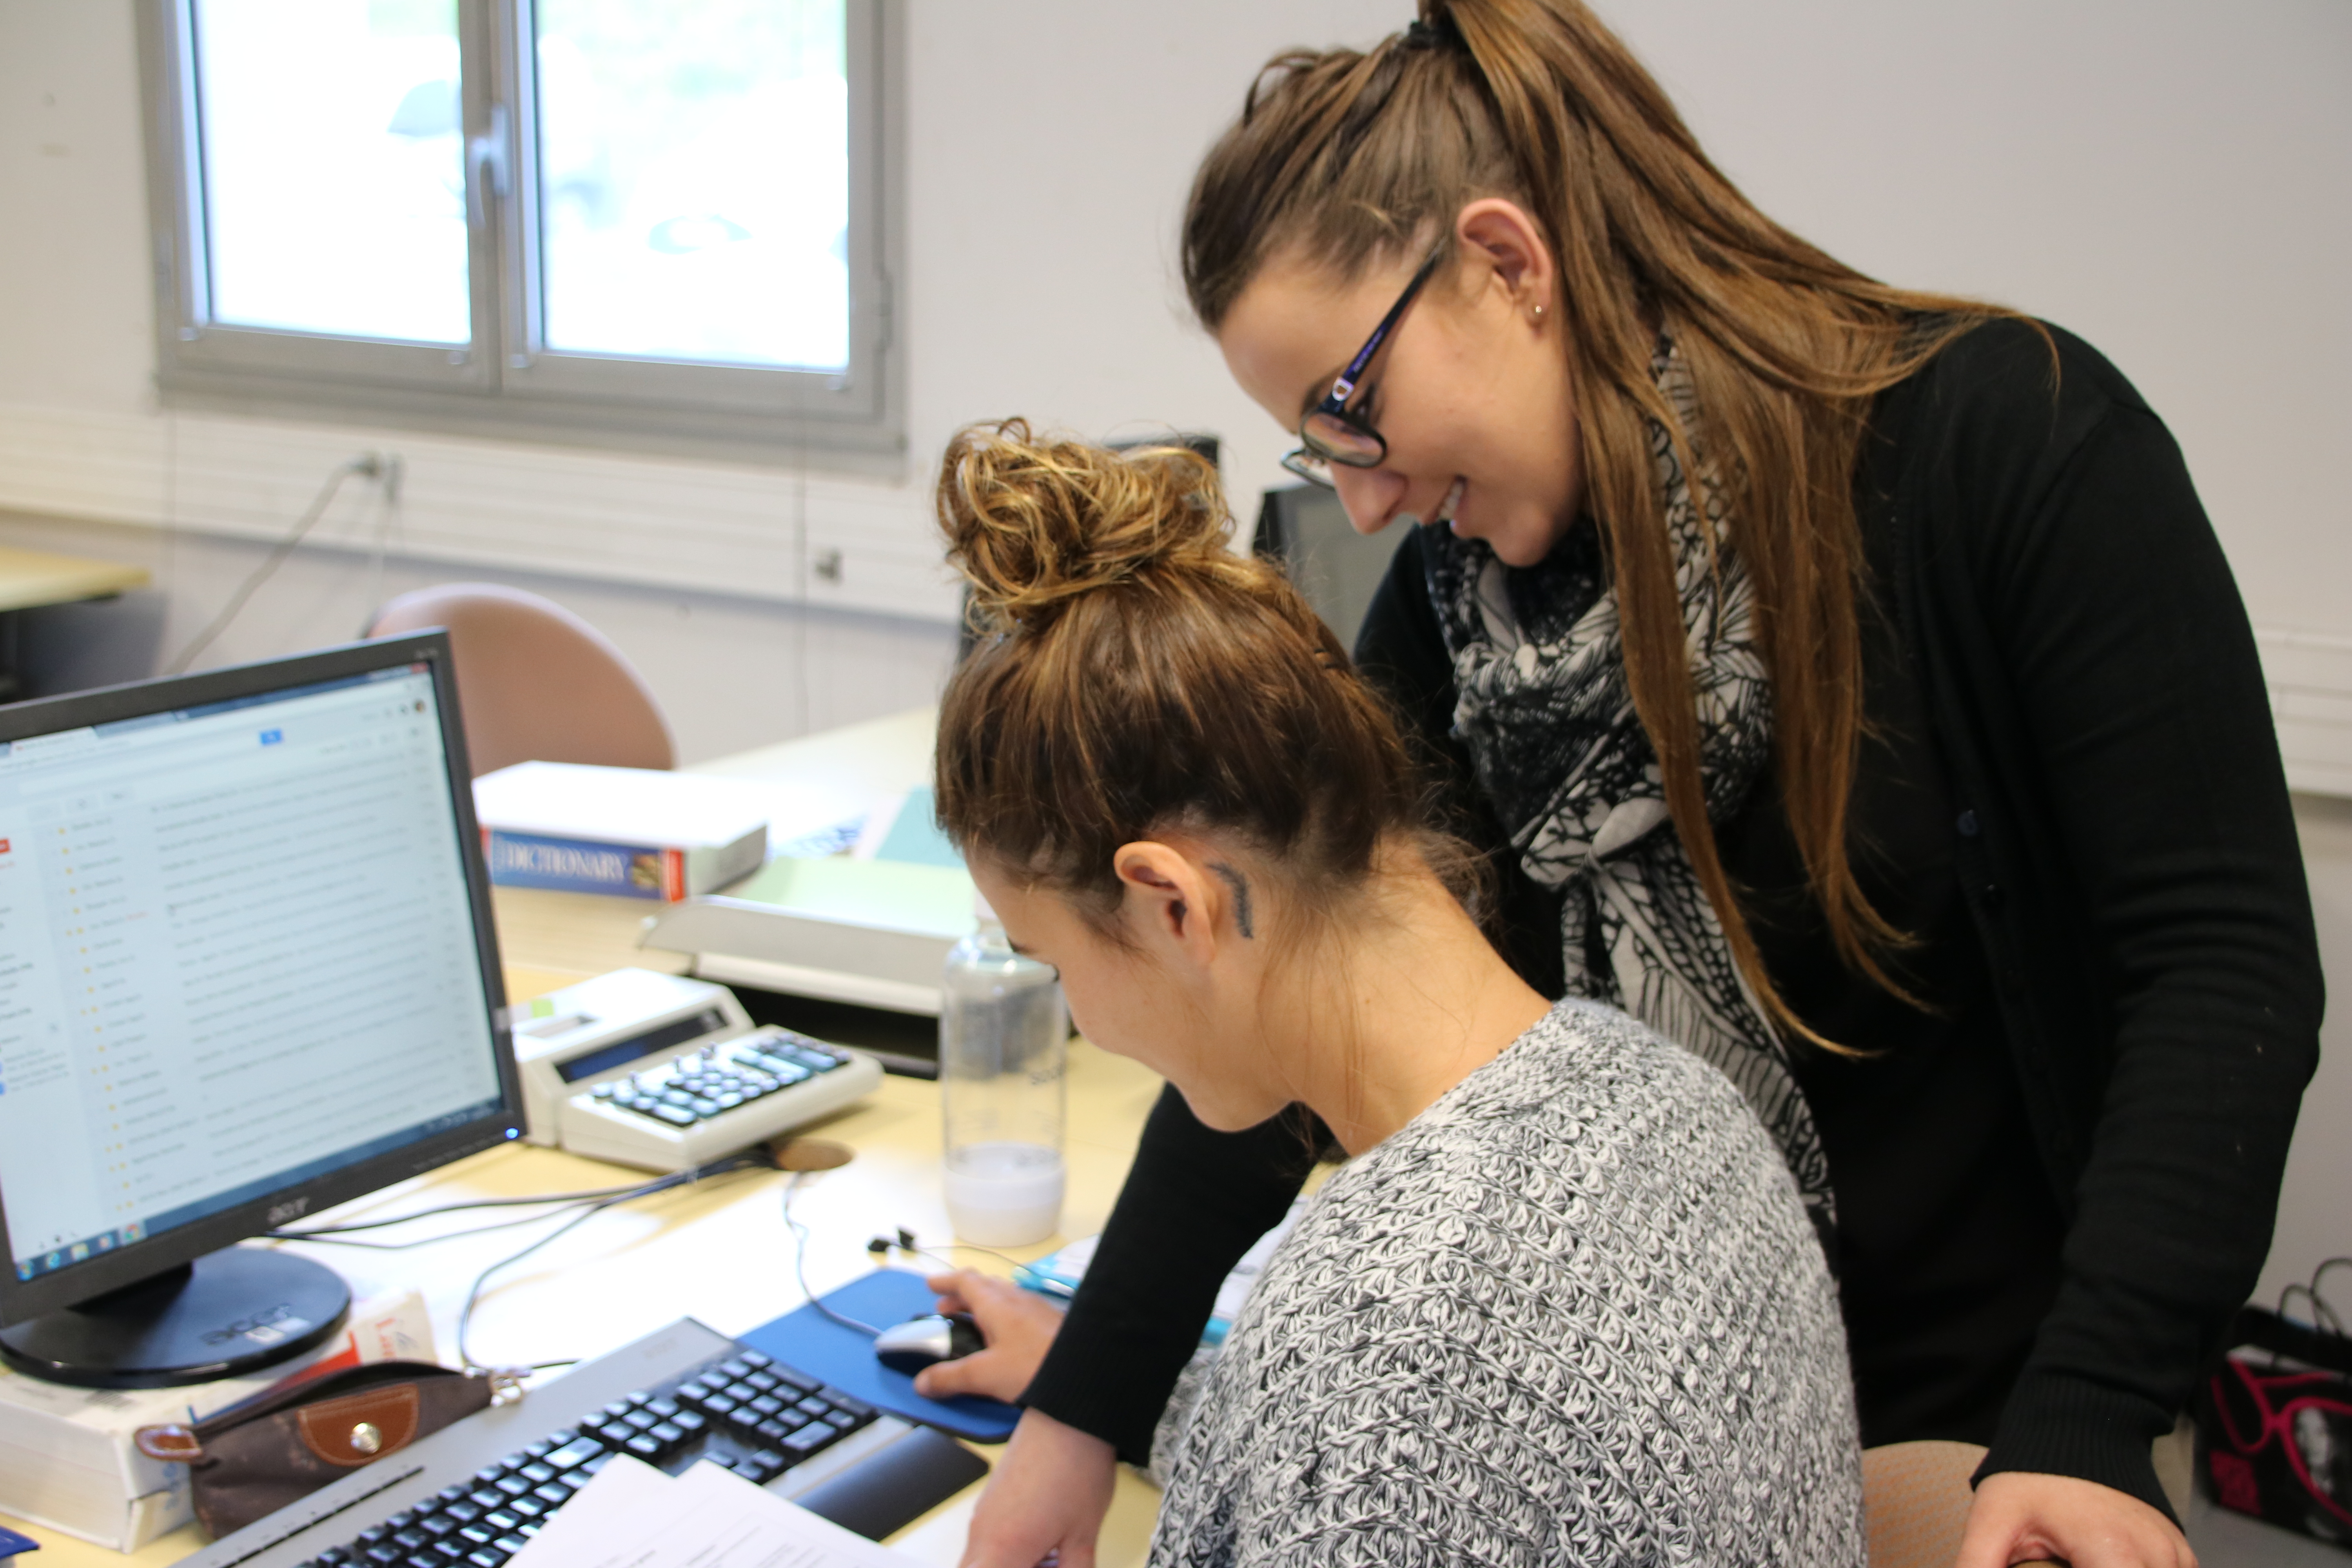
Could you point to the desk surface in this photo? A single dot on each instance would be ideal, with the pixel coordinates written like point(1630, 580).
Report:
point(30, 578)
point(821, 779)
point(720, 1253)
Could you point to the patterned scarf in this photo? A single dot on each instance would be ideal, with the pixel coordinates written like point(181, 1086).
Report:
point(1549, 719)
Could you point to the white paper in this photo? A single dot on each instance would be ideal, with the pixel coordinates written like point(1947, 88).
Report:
point(634, 1516)
point(609, 1506)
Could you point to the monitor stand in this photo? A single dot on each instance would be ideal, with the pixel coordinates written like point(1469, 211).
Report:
point(228, 1315)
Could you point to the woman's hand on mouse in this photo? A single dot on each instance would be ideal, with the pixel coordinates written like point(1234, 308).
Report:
point(1019, 1325)
point(1049, 1495)
point(2020, 1515)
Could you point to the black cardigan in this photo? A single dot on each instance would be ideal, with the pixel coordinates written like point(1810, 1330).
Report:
point(2126, 847)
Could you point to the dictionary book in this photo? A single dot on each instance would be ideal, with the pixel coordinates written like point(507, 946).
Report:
point(632, 833)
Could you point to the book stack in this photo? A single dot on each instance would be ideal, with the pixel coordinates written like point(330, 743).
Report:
point(630, 833)
point(67, 1461)
point(872, 927)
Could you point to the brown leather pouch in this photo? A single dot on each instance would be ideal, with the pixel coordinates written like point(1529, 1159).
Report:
point(253, 1459)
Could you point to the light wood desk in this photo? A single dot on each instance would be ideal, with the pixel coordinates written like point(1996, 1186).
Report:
point(818, 780)
point(31, 579)
point(721, 1252)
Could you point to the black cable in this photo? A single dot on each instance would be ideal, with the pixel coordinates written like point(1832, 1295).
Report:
point(949, 1263)
point(316, 1232)
point(474, 1294)
point(327, 1238)
point(590, 1204)
point(800, 1262)
point(2323, 1316)
point(747, 1161)
point(366, 463)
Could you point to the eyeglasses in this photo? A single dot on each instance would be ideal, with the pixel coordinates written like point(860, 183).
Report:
point(1334, 433)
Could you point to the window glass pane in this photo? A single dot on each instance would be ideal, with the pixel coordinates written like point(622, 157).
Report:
point(334, 166)
point(694, 167)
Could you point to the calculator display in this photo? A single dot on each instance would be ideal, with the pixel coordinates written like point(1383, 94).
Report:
point(620, 1052)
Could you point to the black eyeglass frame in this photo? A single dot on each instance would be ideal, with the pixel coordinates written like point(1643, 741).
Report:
point(1303, 459)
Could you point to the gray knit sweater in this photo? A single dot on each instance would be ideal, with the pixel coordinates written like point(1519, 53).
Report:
point(1572, 1313)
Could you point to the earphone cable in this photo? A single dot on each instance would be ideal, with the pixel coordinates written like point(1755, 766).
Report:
point(800, 1262)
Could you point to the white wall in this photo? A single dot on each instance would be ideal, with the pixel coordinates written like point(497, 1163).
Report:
point(2170, 179)
point(2167, 178)
point(2314, 1219)
point(731, 672)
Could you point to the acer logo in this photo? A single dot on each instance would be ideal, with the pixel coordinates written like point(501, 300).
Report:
point(260, 1326)
point(286, 1211)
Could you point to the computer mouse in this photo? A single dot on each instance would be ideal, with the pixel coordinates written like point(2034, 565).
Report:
point(919, 1343)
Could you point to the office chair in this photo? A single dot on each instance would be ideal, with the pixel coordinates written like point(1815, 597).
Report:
point(1914, 1498)
point(537, 682)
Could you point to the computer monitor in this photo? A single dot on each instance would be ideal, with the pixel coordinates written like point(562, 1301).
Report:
point(247, 972)
point(1337, 569)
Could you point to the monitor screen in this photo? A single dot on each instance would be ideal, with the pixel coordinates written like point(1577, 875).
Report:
point(241, 956)
point(1335, 568)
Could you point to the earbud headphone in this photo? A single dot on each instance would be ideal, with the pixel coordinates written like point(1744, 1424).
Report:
point(903, 1242)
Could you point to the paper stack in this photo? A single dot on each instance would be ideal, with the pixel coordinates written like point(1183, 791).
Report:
point(634, 1516)
point(633, 833)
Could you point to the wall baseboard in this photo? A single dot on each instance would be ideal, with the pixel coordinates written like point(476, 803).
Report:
point(753, 533)
point(2310, 676)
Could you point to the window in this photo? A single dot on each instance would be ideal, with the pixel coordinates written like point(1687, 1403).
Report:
point(656, 222)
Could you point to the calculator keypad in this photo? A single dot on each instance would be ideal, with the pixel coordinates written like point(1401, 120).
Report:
point(702, 1084)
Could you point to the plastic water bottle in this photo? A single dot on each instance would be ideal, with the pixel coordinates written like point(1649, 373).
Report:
point(1004, 1044)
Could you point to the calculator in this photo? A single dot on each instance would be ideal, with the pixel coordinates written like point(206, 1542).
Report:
point(665, 1073)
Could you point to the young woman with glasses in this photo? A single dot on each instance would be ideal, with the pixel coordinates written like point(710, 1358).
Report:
point(1844, 680)
point(1563, 1302)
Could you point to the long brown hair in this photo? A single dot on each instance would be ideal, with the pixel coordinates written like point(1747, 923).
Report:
point(1347, 161)
point(1132, 674)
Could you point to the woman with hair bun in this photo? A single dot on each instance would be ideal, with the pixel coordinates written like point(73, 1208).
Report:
point(1561, 1304)
point(1844, 680)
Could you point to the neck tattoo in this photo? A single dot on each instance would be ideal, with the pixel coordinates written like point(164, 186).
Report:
point(1240, 886)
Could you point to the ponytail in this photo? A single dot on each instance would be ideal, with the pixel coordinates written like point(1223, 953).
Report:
point(1350, 161)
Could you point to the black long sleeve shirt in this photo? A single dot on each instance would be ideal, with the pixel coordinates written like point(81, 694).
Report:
point(2056, 1186)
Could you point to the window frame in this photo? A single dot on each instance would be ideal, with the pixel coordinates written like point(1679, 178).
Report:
point(506, 383)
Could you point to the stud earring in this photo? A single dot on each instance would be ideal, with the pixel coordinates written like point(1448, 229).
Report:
point(1539, 311)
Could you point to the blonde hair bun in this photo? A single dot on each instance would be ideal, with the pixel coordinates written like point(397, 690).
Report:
point(1033, 522)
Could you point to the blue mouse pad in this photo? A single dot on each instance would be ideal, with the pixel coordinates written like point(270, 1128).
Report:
point(845, 1358)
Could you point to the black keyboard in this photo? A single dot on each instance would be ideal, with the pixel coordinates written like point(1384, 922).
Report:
point(446, 1502)
point(746, 1413)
